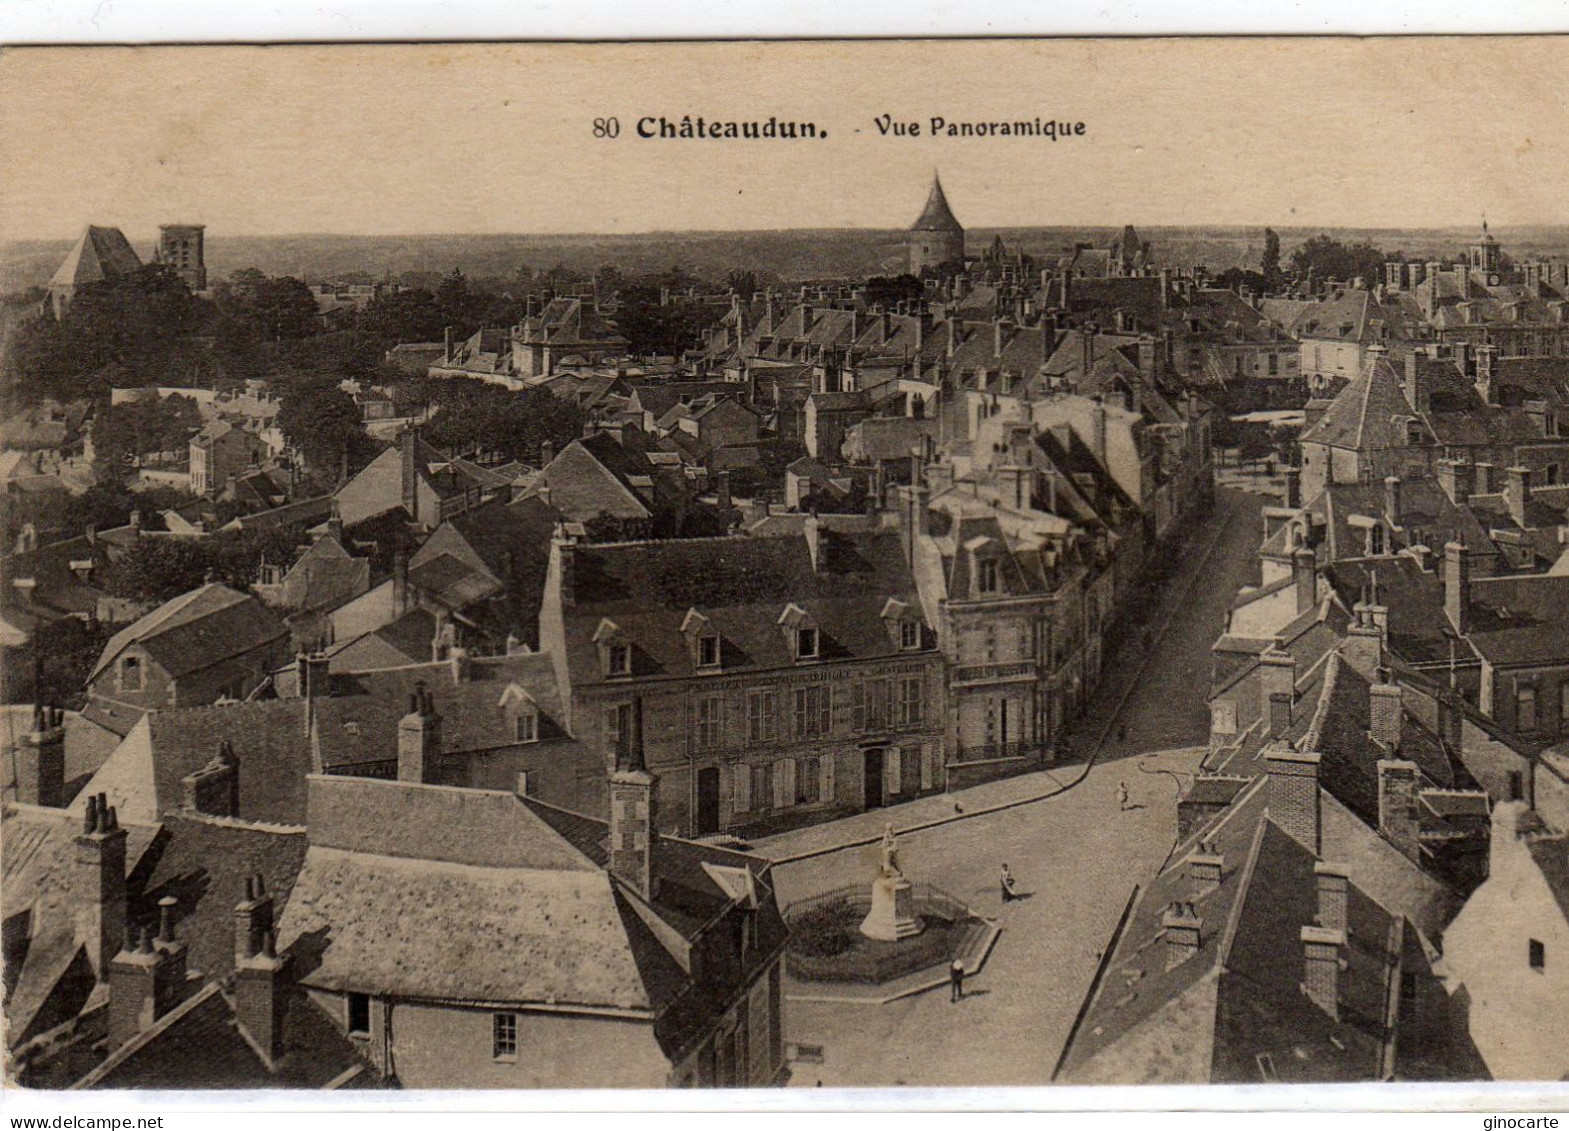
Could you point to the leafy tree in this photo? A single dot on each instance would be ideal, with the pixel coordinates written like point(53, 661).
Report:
point(743, 283)
point(1238, 279)
point(1269, 262)
point(1328, 258)
point(476, 416)
point(322, 423)
point(881, 290)
point(403, 316)
point(652, 329)
point(458, 306)
point(66, 650)
point(156, 569)
point(147, 425)
point(267, 309)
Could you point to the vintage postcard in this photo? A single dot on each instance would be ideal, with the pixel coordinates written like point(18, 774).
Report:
point(785, 564)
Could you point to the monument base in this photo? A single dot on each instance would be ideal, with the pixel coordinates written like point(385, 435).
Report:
point(892, 916)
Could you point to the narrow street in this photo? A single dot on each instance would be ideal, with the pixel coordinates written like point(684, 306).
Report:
point(1077, 855)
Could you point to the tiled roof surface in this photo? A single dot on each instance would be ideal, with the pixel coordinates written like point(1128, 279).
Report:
point(198, 629)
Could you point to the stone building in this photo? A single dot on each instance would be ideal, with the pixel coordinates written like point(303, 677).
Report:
point(936, 238)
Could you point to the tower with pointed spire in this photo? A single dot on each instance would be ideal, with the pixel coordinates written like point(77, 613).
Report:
point(936, 237)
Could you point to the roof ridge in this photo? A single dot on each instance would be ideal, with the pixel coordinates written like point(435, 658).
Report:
point(1315, 729)
point(1223, 952)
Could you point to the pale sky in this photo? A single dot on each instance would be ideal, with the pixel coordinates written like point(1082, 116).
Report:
point(497, 138)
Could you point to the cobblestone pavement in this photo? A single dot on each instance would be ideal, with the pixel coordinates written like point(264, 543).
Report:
point(1076, 855)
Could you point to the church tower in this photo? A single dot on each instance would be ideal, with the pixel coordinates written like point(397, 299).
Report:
point(937, 237)
point(180, 246)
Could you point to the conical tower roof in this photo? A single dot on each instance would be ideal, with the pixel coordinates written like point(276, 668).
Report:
point(937, 216)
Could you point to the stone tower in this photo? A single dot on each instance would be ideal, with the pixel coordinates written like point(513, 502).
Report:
point(937, 237)
point(180, 246)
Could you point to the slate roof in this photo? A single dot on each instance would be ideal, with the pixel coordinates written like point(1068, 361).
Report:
point(742, 585)
point(196, 630)
point(99, 253)
point(1369, 414)
point(1520, 620)
point(198, 1046)
point(1551, 854)
point(51, 982)
point(1250, 944)
point(936, 216)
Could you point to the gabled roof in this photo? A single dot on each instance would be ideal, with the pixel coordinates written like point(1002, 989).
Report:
point(100, 253)
point(197, 629)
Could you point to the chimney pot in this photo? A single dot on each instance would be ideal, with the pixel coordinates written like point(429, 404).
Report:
point(1293, 793)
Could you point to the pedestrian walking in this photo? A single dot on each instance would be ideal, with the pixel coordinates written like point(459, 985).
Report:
point(1122, 796)
point(1008, 893)
point(956, 980)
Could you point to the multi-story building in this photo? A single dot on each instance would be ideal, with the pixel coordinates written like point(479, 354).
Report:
point(936, 238)
point(783, 679)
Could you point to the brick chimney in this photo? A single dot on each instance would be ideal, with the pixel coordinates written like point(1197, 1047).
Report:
point(1457, 587)
point(40, 763)
point(563, 549)
point(1333, 883)
point(1483, 474)
point(252, 918)
point(100, 884)
point(1277, 677)
point(419, 737)
point(1364, 644)
point(215, 788)
point(1293, 793)
point(1519, 492)
point(1321, 957)
point(1293, 487)
point(1184, 930)
point(1304, 573)
point(1417, 387)
point(408, 443)
point(400, 581)
point(632, 823)
point(261, 989)
point(1384, 712)
point(1398, 820)
point(1486, 356)
point(1206, 867)
point(147, 978)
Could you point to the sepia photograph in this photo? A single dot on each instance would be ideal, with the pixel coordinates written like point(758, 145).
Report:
point(837, 564)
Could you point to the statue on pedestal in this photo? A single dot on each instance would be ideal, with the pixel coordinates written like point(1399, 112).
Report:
point(892, 916)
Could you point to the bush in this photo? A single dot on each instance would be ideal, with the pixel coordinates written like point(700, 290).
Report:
point(828, 930)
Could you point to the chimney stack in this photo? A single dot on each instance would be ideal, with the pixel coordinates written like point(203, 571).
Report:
point(408, 444)
point(1333, 888)
point(1293, 477)
point(1304, 572)
point(1398, 819)
point(1277, 680)
point(1384, 712)
point(419, 737)
point(40, 765)
point(1321, 957)
point(632, 825)
point(100, 884)
point(1293, 793)
point(1519, 494)
point(1483, 474)
point(147, 978)
point(261, 988)
point(1457, 587)
point(215, 788)
point(1457, 480)
point(1364, 645)
point(1184, 930)
point(1206, 867)
point(547, 453)
point(312, 668)
point(252, 918)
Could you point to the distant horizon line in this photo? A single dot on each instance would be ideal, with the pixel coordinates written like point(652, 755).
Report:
point(650, 233)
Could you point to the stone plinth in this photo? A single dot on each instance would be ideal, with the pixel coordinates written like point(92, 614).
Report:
point(892, 916)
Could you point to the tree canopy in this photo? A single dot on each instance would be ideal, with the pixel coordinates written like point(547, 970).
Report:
point(1328, 258)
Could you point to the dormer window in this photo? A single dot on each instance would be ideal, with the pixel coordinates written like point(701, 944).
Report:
point(987, 575)
point(701, 639)
point(525, 727)
point(801, 633)
point(806, 643)
point(909, 634)
point(708, 651)
point(619, 659)
point(904, 624)
point(615, 653)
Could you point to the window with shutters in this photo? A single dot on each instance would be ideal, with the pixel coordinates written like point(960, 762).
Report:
point(710, 721)
point(813, 715)
point(911, 701)
point(808, 781)
point(762, 716)
point(869, 705)
point(762, 787)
